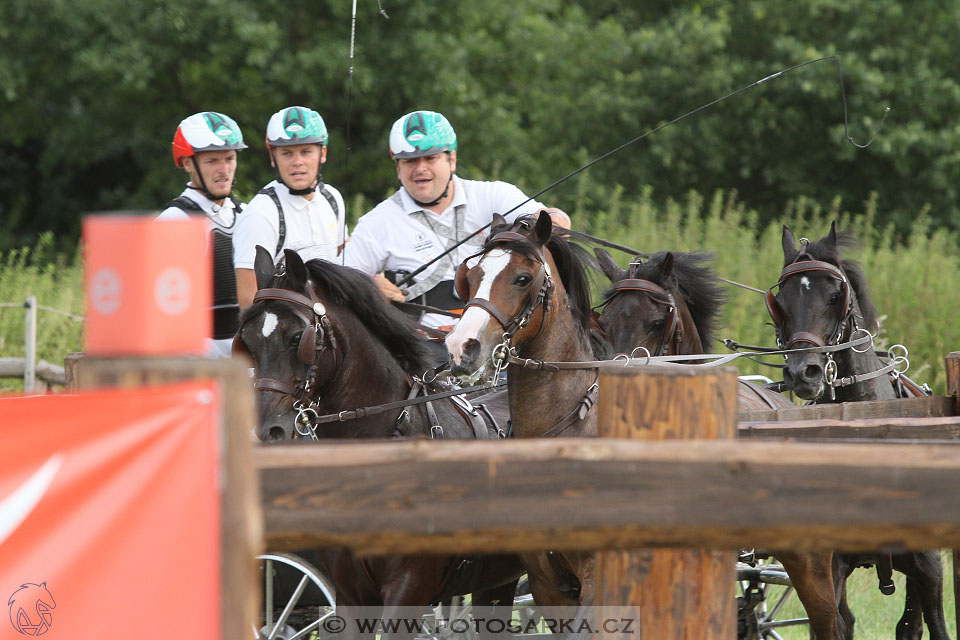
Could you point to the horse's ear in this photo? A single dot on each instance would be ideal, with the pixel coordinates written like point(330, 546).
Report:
point(831, 239)
point(788, 241)
point(607, 264)
point(296, 272)
point(498, 223)
point(263, 267)
point(544, 228)
point(666, 267)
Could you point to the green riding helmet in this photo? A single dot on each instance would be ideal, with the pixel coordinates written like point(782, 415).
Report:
point(206, 131)
point(421, 133)
point(296, 125)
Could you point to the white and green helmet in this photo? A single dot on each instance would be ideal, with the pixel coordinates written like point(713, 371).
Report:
point(296, 125)
point(421, 133)
point(206, 131)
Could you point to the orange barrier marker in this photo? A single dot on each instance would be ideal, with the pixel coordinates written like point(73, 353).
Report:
point(148, 285)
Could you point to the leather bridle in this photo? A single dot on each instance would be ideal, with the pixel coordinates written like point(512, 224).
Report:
point(315, 339)
point(804, 263)
point(672, 331)
point(541, 288)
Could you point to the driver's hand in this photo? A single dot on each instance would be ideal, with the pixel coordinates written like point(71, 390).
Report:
point(389, 290)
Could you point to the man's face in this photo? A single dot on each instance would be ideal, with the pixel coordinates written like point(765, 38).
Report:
point(425, 178)
point(298, 164)
point(217, 169)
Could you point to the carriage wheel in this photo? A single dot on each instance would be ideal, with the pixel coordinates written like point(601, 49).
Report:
point(297, 598)
point(764, 590)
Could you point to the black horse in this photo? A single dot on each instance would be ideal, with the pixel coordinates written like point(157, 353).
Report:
point(671, 304)
point(324, 340)
point(823, 300)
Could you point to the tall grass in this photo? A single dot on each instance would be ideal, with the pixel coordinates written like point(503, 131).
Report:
point(910, 278)
point(56, 279)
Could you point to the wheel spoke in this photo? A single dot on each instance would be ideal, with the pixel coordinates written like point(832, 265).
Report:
point(282, 620)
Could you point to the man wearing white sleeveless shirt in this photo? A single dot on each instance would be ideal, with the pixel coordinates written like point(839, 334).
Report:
point(433, 210)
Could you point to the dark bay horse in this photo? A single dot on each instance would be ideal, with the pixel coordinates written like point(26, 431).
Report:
point(823, 300)
point(528, 295)
point(671, 305)
point(323, 337)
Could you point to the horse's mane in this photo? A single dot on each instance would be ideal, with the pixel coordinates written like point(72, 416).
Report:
point(697, 284)
point(826, 252)
point(356, 291)
point(571, 261)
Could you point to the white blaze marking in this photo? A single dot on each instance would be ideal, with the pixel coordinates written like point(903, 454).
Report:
point(269, 324)
point(804, 283)
point(475, 319)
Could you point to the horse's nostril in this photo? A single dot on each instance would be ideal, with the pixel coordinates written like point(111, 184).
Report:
point(276, 434)
point(471, 347)
point(812, 372)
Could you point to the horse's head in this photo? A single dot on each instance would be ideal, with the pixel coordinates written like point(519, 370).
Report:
point(816, 305)
point(667, 305)
point(285, 332)
point(508, 286)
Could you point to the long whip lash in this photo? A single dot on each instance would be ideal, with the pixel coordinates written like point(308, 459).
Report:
point(846, 129)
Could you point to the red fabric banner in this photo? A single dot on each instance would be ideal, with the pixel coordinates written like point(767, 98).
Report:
point(110, 514)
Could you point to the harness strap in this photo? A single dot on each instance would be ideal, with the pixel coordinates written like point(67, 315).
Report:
point(269, 384)
point(490, 308)
point(578, 413)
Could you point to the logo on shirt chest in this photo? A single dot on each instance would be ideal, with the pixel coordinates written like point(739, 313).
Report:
point(422, 243)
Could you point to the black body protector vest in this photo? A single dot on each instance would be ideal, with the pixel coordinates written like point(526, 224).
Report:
point(272, 192)
point(226, 311)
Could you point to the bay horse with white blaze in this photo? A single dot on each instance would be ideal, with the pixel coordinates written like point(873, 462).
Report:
point(528, 297)
point(325, 341)
point(823, 301)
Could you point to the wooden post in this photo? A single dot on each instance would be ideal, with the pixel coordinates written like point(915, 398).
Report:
point(953, 389)
point(241, 523)
point(30, 346)
point(675, 593)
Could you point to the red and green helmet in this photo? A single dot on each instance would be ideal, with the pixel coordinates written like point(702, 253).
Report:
point(296, 125)
point(206, 131)
point(421, 133)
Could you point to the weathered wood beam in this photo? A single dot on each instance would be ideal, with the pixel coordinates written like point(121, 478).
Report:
point(931, 407)
point(412, 497)
point(944, 429)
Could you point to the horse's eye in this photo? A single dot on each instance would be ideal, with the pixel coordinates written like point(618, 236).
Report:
point(835, 298)
point(657, 325)
point(522, 280)
point(295, 339)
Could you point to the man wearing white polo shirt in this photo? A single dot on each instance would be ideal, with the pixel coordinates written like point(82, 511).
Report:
point(297, 210)
point(432, 211)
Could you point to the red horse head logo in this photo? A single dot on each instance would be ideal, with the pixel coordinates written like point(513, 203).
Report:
point(30, 609)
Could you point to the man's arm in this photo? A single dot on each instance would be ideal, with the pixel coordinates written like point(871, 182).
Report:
point(246, 287)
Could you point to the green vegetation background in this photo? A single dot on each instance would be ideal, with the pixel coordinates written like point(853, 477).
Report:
point(912, 280)
point(91, 92)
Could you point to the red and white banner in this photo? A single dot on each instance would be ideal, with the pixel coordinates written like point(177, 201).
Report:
point(110, 514)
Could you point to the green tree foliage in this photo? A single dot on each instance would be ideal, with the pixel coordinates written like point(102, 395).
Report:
point(92, 90)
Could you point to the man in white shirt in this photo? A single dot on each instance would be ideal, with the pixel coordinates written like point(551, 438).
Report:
point(432, 211)
point(296, 210)
point(205, 145)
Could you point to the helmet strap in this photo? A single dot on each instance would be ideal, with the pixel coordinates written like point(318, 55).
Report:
point(443, 195)
point(203, 185)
